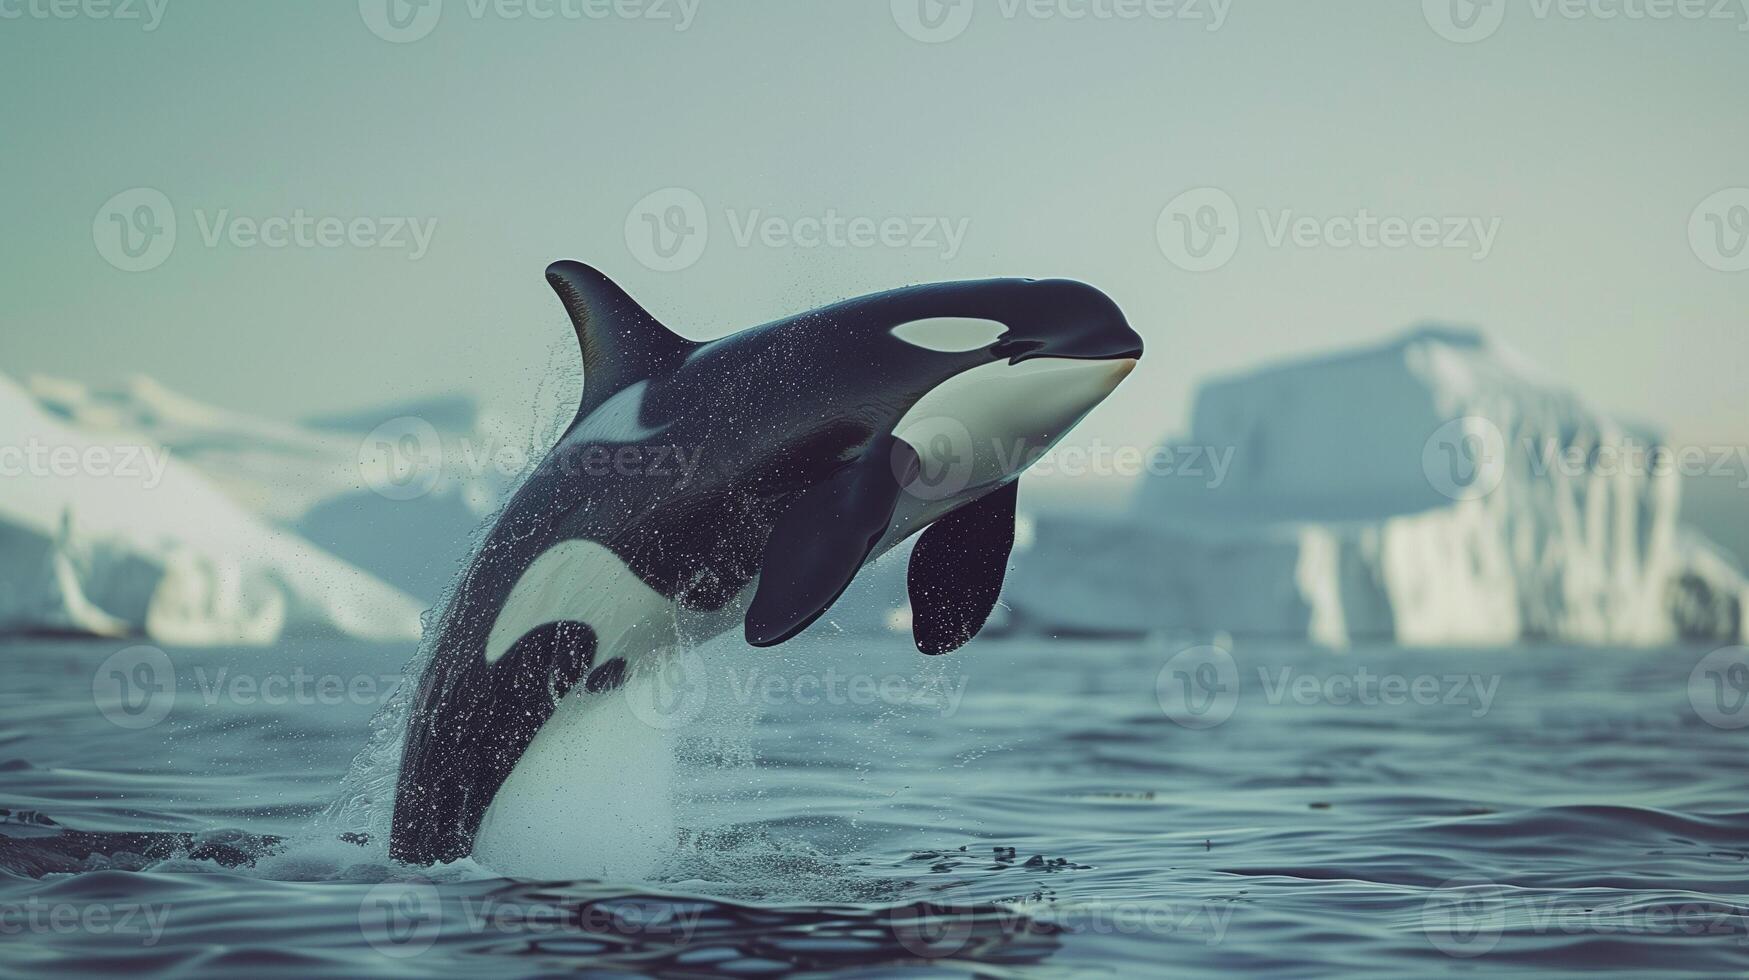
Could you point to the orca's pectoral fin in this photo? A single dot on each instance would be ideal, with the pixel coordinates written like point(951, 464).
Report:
point(820, 543)
point(957, 570)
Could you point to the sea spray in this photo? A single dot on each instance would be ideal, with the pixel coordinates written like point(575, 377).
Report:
point(362, 811)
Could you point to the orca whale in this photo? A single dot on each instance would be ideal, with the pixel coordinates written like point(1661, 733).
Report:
point(816, 443)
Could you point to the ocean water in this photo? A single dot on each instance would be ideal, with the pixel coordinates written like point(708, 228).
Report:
point(1024, 807)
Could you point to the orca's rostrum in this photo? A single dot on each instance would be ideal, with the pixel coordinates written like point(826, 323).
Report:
point(815, 444)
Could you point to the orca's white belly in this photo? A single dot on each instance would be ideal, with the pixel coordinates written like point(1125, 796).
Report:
point(592, 795)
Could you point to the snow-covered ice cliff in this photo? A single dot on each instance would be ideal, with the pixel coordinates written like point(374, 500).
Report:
point(103, 531)
point(1434, 490)
point(397, 490)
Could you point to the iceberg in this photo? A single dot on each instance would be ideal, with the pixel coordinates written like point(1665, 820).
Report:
point(105, 532)
point(1436, 490)
point(417, 540)
point(405, 513)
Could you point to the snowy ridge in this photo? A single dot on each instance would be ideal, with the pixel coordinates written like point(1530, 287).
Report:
point(105, 532)
point(323, 478)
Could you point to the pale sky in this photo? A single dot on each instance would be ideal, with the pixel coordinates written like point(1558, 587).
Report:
point(1024, 145)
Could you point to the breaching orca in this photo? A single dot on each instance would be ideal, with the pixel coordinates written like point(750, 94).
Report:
point(817, 443)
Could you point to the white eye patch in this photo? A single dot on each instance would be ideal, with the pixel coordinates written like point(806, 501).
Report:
point(950, 334)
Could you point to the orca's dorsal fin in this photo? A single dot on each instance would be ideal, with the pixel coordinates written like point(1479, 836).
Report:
point(621, 342)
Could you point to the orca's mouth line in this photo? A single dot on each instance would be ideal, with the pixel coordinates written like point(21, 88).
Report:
point(1018, 351)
